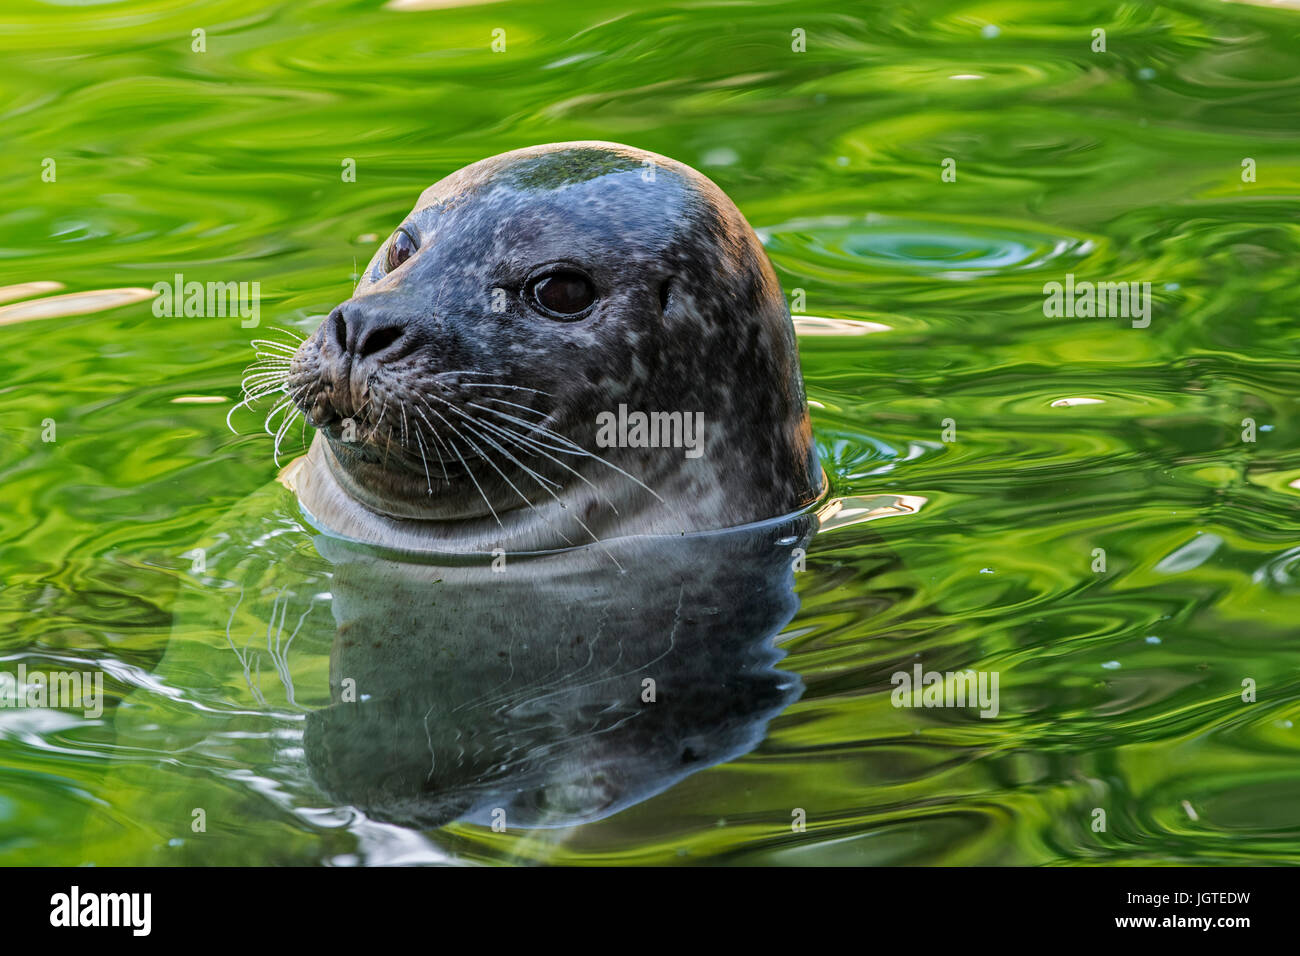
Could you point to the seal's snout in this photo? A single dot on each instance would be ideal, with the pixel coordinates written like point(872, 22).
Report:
point(353, 343)
point(362, 334)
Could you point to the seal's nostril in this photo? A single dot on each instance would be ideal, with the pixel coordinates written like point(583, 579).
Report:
point(358, 333)
point(340, 330)
point(378, 340)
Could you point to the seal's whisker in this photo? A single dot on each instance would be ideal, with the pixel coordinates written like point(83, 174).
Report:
point(533, 428)
point(268, 365)
point(291, 412)
point(259, 368)
point(527, 450)
point(264, 386)
point(374, 429)
point(262, 390)
point(287, 402)
point(267, 348)
point(285, 330)
point(463, 371)
point(388, 432)
point(364, 405)
point(260, 380)
point(461, 435)
point(529, 447)
point(246, 402)
point(573, 447)
point(522, 442)
point(436, 437)
point(280, 405)
point(267, 375)
point(470, 423)
point(282, 431)
point(594, 537)
point(502, 401)
point(542, 483)
point(424, 402)
point(277, 347)
point(383, 409)
point(253, 382)
point(258, 396)
point(491, 463)
point(517, 388)
point(522, 496)
point(469, 471)
point(255, 372)
point(234, 408)
point(424, 461)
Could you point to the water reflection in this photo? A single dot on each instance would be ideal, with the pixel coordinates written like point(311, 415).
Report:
point(555, 689)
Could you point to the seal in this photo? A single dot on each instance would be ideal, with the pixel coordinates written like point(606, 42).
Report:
point(558, 345)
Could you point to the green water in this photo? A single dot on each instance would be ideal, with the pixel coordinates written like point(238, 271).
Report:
point(1121, 689)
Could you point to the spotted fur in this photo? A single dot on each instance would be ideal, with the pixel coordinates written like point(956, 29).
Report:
point(476, 428)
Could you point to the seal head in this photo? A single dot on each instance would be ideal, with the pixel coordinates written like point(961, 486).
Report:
point(557, 345)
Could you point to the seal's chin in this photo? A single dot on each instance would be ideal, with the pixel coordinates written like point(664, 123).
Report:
point(358, 441)
point(390, 481)
point(360, 444)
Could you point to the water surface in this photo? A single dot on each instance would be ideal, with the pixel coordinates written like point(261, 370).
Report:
point(922, 320)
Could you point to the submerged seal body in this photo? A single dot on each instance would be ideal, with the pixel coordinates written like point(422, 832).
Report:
point(558, 345)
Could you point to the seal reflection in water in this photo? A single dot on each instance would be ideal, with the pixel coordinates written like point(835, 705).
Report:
point(459, 393)
point(557, 691)
point(308, 674)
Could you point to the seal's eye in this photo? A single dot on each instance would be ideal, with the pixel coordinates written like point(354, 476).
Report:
point(562, 295)
point(401, 248)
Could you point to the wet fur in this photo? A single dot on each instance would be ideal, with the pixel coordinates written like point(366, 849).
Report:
point(480, 430)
